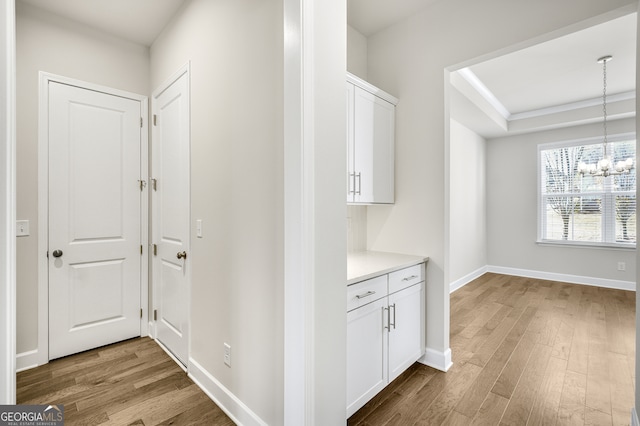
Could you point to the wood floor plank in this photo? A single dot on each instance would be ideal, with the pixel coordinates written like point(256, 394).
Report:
point(443, 404)
point(597, 418)
point(491, 411)
point(572, 400)
point(579, 351)
point(545, 408)
point(204, 413)
point(539, 376)
point(512, 371)
point(408, 411)
point(615, 334)
point(622, 390)
point(495, 339)
point(521, 402)
point(598, 393)
point(131, 382)
point(160, 408)
point(562, 342)
point(456, 419)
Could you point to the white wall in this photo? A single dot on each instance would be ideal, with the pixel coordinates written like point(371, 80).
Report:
point(512, 210)
point(235, 50)
point(356, 53)
point(7, 207)
point(238, 191)
point(409, 60)
point(468, 212)
point(45, 42)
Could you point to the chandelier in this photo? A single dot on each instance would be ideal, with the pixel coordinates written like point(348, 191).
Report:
point(605, 166)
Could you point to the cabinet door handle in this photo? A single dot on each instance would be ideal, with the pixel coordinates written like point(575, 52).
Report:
point(359, 177)
point(363, 295)
point(394, 316)
point(386, 327)
point(352, 180)
point(409, 278)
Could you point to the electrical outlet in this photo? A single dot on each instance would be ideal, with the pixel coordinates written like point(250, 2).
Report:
point(622, 266)
point(227, 354)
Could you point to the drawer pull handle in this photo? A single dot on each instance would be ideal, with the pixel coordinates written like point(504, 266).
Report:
point(367, 294)
point(409, 278)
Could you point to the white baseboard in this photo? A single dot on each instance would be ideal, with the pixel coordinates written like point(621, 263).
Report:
point(237, 411)
point(634, 417)
point(459, 283)
point(437, 359)
point(567, 278)
point(27, 360)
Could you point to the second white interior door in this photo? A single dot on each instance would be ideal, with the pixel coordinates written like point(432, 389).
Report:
point(170, 200)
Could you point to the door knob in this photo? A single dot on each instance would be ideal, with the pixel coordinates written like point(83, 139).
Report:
point(57, 253)
point(182, 255)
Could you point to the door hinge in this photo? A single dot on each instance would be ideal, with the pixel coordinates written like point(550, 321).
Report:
point(154, 184)
point(140, 248)
point(155, 315)
point(155, 120)
point(142, 183)
point(141, 122)
point(47, 254)
point(140, 312)
point(155, 249)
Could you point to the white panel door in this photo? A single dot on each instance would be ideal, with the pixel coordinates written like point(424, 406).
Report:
point(170, 221)
point(94, 219)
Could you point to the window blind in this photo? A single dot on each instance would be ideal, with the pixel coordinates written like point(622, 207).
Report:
point(587, 209)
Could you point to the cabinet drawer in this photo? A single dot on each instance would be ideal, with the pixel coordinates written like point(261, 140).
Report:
point(405, 277)
point(364, 292)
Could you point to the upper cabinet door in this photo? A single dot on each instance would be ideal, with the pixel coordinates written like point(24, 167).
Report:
point(351, 174)
point(374, 120)
point(370, 147)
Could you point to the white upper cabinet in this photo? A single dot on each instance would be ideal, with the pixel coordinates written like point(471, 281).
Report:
point(370, 147)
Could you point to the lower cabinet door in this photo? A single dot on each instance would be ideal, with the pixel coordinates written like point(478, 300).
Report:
point(406, 343)
point(367, 341)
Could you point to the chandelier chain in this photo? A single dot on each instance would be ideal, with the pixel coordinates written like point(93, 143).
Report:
point(606, 166)
point(604, 102)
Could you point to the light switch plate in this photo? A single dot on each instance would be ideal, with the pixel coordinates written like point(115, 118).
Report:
point(199, 228)
point(227, 354)
point(22, 228)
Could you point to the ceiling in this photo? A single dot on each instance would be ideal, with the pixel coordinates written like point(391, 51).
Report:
point(372, 16)
point(565, 69)
point(139, 21)
point(558, 72)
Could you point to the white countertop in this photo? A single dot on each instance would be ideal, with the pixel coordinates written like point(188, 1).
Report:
point(368, 264)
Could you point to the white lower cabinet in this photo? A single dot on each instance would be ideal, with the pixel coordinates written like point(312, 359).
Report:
point(407, 321)
point(366, 353)
point(384, 336)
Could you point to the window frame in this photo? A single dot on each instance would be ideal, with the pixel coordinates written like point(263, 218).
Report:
point(608, 206)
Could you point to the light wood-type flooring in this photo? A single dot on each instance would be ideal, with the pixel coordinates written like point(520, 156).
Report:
point(129, 383)
point(525, 352)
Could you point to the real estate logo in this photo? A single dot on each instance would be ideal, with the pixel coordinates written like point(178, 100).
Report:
point(31, 415)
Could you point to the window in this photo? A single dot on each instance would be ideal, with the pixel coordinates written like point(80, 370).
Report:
point(585, 209)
